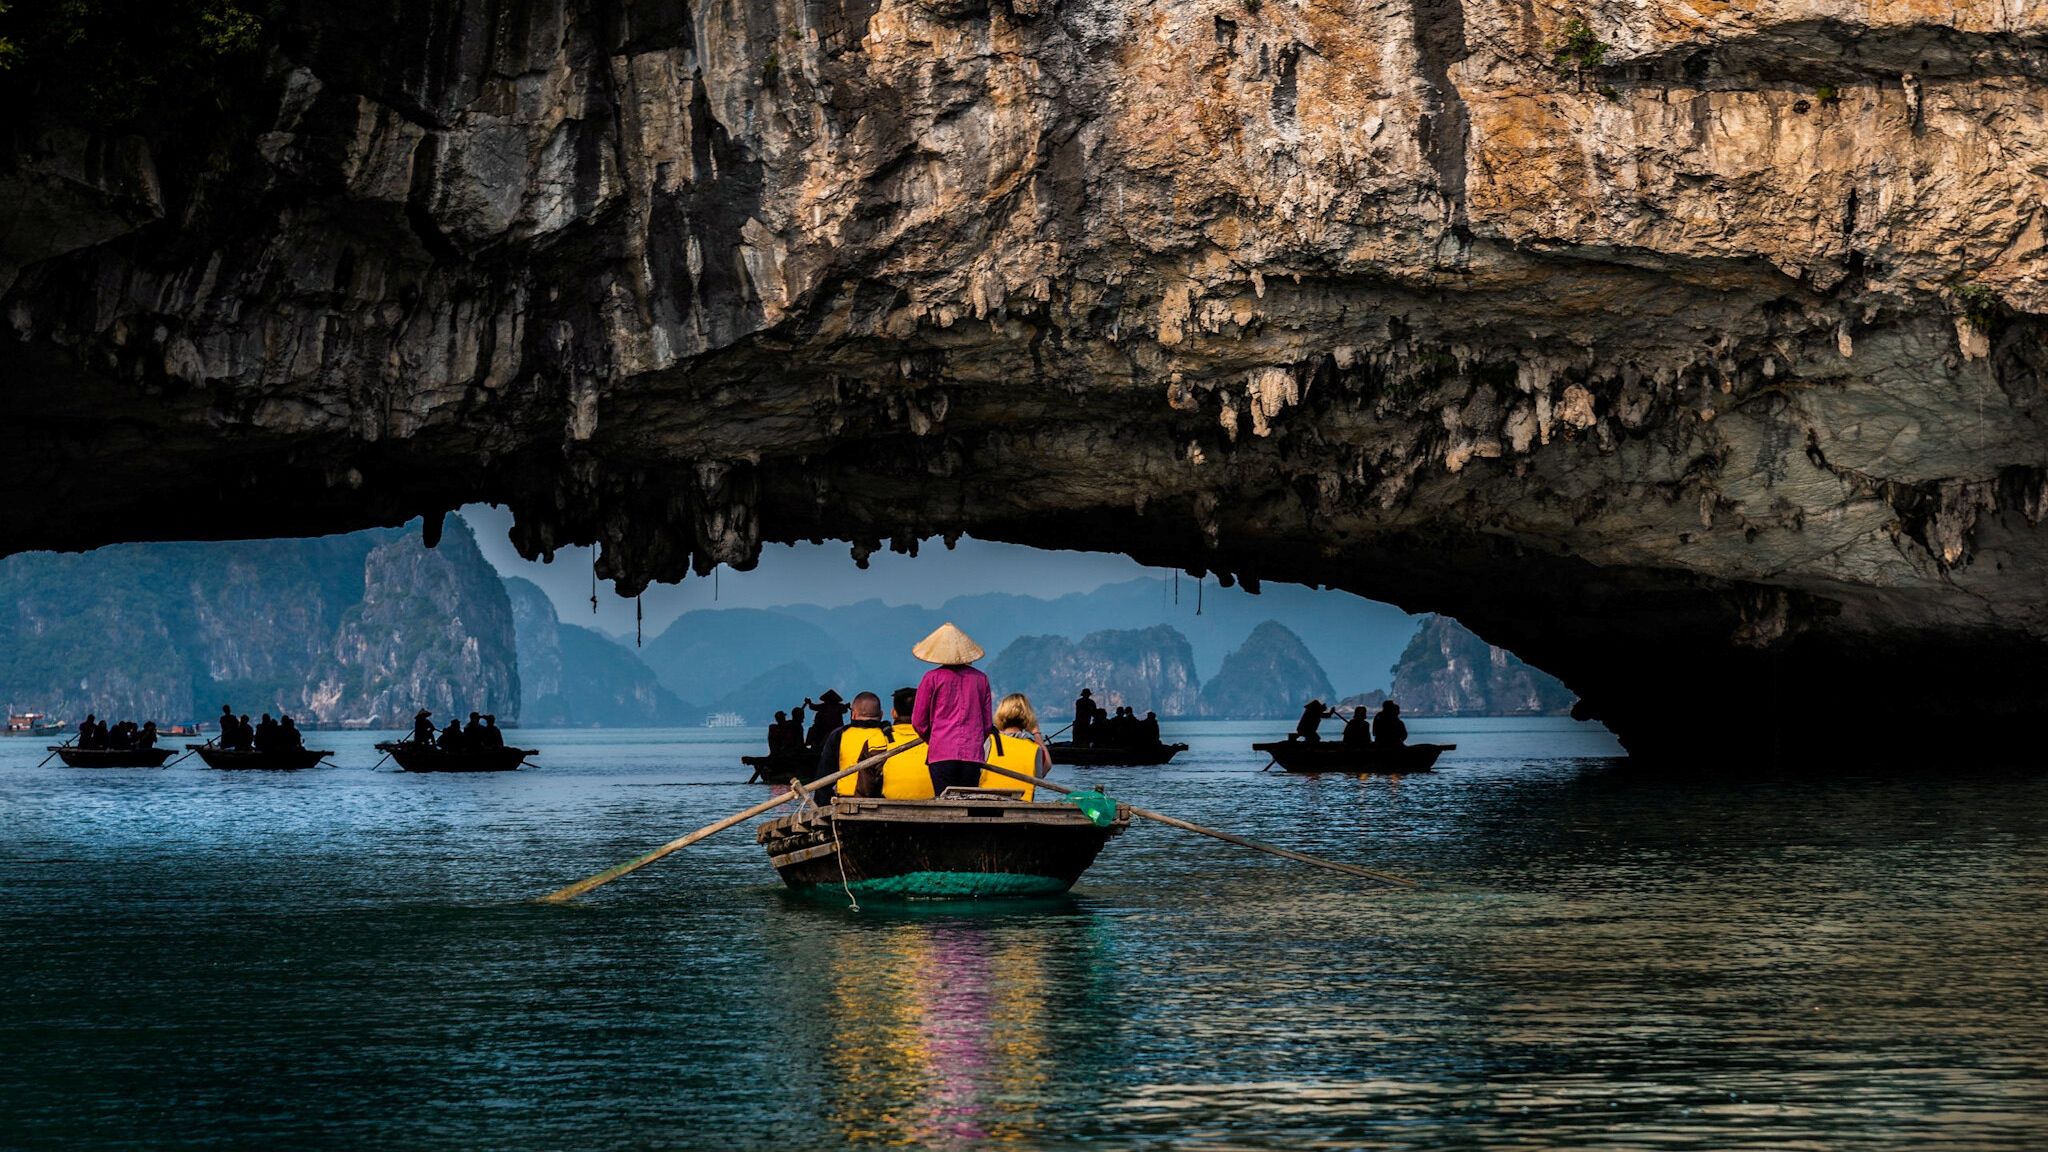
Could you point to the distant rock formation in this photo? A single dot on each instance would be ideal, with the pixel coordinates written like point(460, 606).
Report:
point(1147, 669)
point(345, 629)
point(747, 659)
point(1447, 671)
point(571, 676)
point(1270, 676)
point(433, 630)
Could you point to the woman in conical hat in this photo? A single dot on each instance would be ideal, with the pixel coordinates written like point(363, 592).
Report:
point(955, 708)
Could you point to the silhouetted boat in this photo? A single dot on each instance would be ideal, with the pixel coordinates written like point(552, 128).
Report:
point(782, 767)
point(1096, 755)
point(273, 761)
point(111, 757)
point(970, 844)
point(1309, 757)
point(426, 758)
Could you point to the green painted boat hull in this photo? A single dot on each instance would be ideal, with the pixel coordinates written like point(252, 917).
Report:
point(951, 886)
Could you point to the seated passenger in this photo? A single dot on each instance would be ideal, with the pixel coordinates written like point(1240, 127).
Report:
point(491, 737)
point(1358, 729)
point(1017, 745)
point(1148, 731)
point(907, 775)
point(778, 734)
point(860, 737)
point(451, 738)
point(1387, 729)
point(146, 738)
point(288, 738)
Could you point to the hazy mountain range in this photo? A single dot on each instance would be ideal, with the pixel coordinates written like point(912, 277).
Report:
point(362, 628)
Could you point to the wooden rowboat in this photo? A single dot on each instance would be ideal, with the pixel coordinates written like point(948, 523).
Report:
point(1098, 755)
point(76, 757)
point(1310, 757)
point(426, 758)
point(970, 844)
point(272, 761)
point(782, 767)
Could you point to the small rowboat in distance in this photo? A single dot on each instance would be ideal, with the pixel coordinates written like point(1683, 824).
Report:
point(111, 757)
point(426, 758)
point(1311, 757)
point(1099, 755)
point(970, 844)
point(272, 761)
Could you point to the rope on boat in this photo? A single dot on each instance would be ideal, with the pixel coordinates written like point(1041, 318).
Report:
point(839, 853)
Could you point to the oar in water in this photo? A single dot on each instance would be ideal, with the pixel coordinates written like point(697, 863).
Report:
point(53, 753)
point(613, 873)
point(1226, 837)
point(191, 750)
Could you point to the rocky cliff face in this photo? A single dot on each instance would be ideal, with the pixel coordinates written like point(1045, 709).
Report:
point(1148, 669)
point(433, 630)
point(1447, 671)
point(1673, 346)
point(330, 630)
point(1269, 677)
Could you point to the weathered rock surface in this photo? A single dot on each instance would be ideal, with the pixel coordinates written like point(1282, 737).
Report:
point(1447, 671)
point(1145, 669)
point(1713, 368)
point(1270, 676)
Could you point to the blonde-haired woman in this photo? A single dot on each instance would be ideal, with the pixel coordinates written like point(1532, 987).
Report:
point(1016, 719)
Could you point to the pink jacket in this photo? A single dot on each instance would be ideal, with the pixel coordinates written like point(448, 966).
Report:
point(954, 711)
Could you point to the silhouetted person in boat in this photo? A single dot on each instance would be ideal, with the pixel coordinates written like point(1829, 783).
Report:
point(228, 730)
point(847, 744)
point(146, 738)
point(1312, 717)
point(778, 733)
point(489, 736)
point(828, 714)
point(451, 737)
point(288, 738)
point(266, 734)
point(1148, 730)
point(1358, 729)
point(1085, 710)
point(89, 731)
point(1387, 729)
point(122, 737)
point(423, 727)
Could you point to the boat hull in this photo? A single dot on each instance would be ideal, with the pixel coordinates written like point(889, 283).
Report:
point(218, 757)
point(948, 849)
point(784, 767)
point(112, 757)
point(1311, 758)
point(420, 758)
point(1087, 756)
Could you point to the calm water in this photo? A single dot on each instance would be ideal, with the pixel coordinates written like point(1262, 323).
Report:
point(345, 957)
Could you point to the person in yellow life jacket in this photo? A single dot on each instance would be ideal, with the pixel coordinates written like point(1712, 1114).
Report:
point(862, 734)
point(906, 775)
point(1016, 744)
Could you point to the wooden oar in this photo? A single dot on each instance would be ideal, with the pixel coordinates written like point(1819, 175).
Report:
point(613, 873)
point(1226, 837)
point(53, 753)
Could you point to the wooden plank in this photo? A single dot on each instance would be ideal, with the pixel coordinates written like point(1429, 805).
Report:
point(798, 857)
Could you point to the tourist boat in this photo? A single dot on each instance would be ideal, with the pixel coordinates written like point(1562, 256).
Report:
point(1100, 755)
point(275, 760)
point(969, 844)
point(76, 757)
point(33, 724)
point(725, 720)
point(1310, 757)
point(782, 767)
point(414, 757)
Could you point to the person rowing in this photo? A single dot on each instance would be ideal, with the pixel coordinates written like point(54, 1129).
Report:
point(955, 708)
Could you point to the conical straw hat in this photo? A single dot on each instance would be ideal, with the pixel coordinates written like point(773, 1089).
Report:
point(947, 645)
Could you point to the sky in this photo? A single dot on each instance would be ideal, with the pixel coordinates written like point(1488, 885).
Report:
point(807, 574)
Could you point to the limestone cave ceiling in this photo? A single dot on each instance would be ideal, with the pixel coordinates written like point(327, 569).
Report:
point(1694, 353)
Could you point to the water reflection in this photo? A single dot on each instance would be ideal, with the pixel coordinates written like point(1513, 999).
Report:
point(939, 1021)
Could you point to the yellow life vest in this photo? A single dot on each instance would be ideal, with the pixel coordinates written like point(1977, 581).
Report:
point(857, 743)
point(908, 774)
point(1017, 754)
